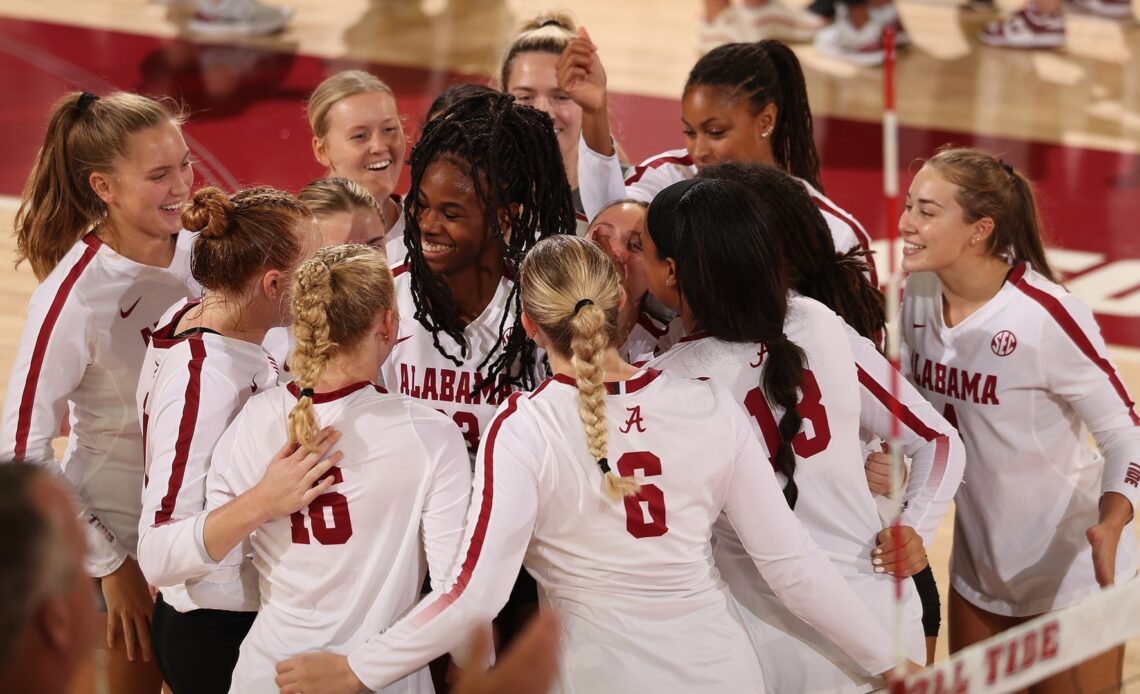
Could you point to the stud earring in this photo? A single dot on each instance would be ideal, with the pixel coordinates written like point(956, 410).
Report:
point(766, 133)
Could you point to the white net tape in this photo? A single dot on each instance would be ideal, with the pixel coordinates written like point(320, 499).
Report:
point(1014, 659)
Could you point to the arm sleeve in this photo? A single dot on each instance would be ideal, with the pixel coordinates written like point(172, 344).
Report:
point(189, 412)
point(448, 497)
point(48, 368)
point(499, 526)
point(600, 178)
point(1075, 360)
point(937, 455)
point(790, 561)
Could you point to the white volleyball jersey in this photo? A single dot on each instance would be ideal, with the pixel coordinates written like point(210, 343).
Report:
point(80, 356)
point(417, 369)
point(201, 384)
point(633, 581)
point(394, 247)
point(649, 338)
point(835, 504)
point(353, 562)
point(162, 338)
point(1025, 378)
point(602, 181)
point(931, 444)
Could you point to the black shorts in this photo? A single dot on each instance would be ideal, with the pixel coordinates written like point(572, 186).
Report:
point(197, 650)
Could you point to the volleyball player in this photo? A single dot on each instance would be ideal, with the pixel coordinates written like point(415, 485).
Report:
point(211, 363)
point(352, 562)
point(709, 245)
point(358, 135)
point(487, 182)
point(742, 102)
point(605, 482)
point(646, 327)
point(930, 443)
point(1019, 366)
point(99, 223)
point(529, 73)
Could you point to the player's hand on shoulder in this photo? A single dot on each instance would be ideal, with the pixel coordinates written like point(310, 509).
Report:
point(899, 552)
point(295, 476)
point(580, 73)
point(317, 673)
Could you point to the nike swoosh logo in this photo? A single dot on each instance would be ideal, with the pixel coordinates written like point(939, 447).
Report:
point(402, 339)
point(252, 386)
point(129, 311)
point(919, 325)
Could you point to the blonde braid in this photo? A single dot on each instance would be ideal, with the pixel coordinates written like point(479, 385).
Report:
point(588, 342)
point(312, 292)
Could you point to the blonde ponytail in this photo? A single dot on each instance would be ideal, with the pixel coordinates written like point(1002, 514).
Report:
point(337, 296)
point(572, 290)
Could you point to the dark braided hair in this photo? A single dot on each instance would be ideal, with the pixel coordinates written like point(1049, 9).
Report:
point(512, 156)
point(767, 72)
point(815, 269)
point(730, 275)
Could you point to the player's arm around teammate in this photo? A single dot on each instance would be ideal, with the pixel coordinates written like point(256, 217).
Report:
point(1020, 366)
point(99, 223)
point(211, 362)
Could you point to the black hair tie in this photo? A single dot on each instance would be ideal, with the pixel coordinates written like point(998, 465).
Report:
point(777, 340)
point(1007, 167)
point(604, 464)
point(306, 392)
point(551, 23)
point(579, 306)
point(85, 101)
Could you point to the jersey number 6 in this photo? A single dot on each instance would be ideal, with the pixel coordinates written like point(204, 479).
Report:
point(341, 528)
point(649, 494)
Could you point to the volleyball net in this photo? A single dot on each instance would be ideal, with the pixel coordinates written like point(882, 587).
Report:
point(1052, 643)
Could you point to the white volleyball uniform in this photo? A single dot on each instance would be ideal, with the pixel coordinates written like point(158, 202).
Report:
point(835, 504)
point(80, 356)
point(353, 562)
point(417, 369)
point(200, 386)
point(394, 247)
point(649, 337)
point(930, 443)
point(1025, 378)
point(633, 582)
point(602, 181)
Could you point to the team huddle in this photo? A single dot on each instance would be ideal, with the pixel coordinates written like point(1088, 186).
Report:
point(319, 439)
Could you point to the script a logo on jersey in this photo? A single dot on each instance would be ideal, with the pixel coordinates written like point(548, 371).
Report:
point(1004, 343)
point(634, 420)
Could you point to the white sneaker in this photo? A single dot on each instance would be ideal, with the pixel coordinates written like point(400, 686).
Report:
point(239, 18)
point(1025, 29)
point(775, 20)
point(887, 16)
point(726, 28)
point(862, 46)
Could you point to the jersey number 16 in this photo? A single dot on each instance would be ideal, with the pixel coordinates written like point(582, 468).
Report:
point(335, 533)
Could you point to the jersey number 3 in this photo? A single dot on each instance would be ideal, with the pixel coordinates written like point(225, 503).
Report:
point(335, 533)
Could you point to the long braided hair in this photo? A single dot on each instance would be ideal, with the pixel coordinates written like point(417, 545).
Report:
point(511, 155)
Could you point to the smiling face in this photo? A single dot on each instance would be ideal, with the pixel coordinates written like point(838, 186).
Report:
point(147, 187)
point(365, 142)
point(718, 128)
point(534, 82)
point(620, 230)
point(450, 217)
point(933, 226)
